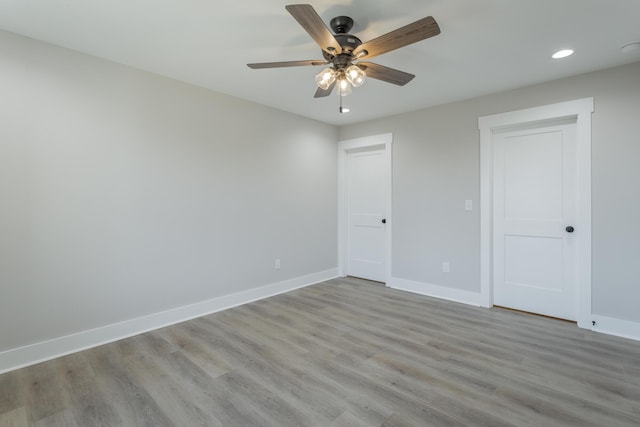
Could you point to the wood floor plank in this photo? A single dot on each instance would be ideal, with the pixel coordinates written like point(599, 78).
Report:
point(12, 391)
point(15, 418)
point(156, 373)
point(45, 394)
point(347, 419)
point(261, 334)
point(374, 392)
point(281, 373)
point(345, 352)
point(88, 405)
point(462, 403)
point(314, 334)
point(59, 419)
point(197, 350)
point(134, 404)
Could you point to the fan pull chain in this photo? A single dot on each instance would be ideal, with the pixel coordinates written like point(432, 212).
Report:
point(341, 110)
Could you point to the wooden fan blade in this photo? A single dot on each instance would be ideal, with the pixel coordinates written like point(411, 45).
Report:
point(286, 64)
point(321, 93)
point(309, 19)
point(386, 74)
point(419, 30)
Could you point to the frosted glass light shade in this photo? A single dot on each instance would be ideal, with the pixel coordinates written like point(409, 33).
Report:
point(325, 78)
point(344, 87)
point(355, 75)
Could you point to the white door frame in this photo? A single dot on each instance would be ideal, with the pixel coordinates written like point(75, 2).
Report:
point(581, 110)
point(383, 141)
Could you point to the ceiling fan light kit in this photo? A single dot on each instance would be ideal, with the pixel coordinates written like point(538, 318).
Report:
point(344, 87)
point(326, 78)
point(343, 52)
point(355, 75)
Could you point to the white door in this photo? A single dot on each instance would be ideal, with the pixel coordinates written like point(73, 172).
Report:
point(366, 236)
point(535, 192)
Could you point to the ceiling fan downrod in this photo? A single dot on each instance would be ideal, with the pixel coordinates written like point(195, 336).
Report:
point(341, 109)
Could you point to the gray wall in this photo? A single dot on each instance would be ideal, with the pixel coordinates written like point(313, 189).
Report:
point(123, 193)
point(436, 167)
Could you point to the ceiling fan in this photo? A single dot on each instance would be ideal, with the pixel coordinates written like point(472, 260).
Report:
point(343, 53)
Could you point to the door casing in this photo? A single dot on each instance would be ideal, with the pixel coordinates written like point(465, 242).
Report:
point(581, 111)
point(384, 142)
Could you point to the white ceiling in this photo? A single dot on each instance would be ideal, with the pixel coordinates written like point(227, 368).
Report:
point(485, 46)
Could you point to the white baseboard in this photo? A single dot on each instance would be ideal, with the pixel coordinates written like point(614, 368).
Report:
point(436, 291)
point(605, 325)
point(60, 346)
point(617, 327)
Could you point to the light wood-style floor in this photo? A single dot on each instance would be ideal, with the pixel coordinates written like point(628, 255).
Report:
point(342, 353)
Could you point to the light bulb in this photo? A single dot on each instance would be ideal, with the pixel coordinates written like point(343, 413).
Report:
point(326, 78)
point(344, 88)
point(355, 75)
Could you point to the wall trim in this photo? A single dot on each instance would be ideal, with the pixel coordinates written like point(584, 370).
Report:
point(436, 291)
point(605, 325)
point(46, 350)
point(617, 327)
point(581, 110)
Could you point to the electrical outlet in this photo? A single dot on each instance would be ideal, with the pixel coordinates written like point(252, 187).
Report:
point(468, 205)
point(445, 267)
point(277, 265)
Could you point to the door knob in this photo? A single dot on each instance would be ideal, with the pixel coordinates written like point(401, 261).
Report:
point(569, 229)
point(384, 220)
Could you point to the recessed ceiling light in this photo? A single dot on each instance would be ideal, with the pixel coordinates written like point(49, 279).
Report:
point(562, 54)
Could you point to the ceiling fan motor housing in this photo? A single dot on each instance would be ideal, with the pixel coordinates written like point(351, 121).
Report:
point(341, 26)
